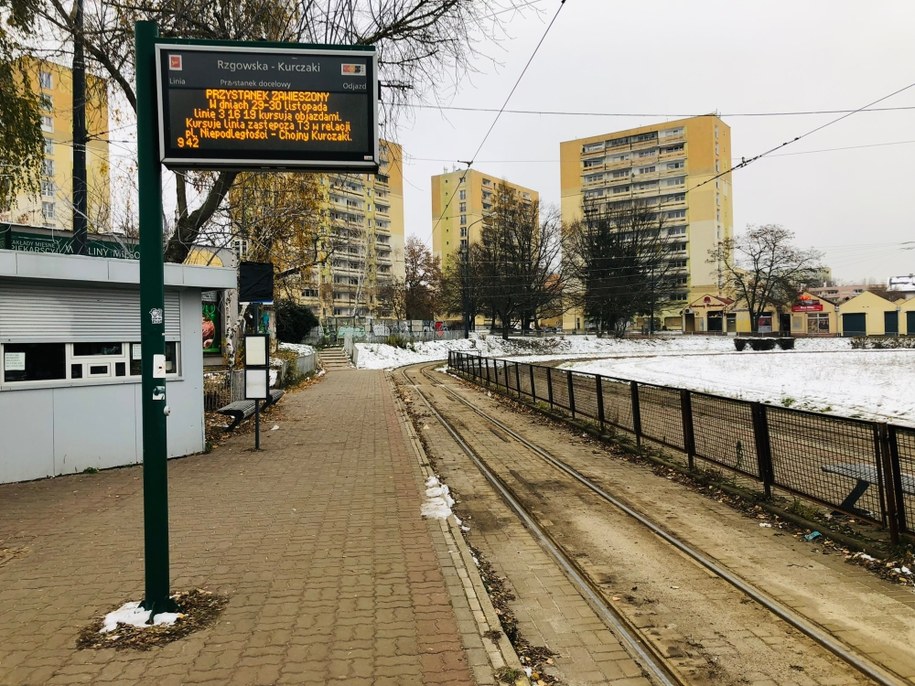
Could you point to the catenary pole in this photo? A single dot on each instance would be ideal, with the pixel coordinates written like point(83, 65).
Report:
point(152, 327)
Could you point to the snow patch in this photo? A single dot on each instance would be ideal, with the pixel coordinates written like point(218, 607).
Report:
point(438, 500)
point(133, 615)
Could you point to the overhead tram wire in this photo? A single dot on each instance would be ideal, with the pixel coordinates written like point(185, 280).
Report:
point(470, 162)
point(744, 162)
point(665, 115)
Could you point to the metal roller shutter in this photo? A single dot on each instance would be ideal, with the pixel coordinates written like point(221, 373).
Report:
point(39, 313)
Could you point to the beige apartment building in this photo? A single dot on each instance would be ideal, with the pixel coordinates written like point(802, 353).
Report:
point(365, 229)
point(53, 206)
point(460, 201)
point(672, 167)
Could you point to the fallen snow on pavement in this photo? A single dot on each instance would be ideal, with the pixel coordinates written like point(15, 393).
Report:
point(300, 348)
point(438, 500)
point(133, 615)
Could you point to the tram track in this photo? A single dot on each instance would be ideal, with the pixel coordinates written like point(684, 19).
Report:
point(642, 647)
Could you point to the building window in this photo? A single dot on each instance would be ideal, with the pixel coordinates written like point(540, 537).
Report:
point(677, 181)
point(463, 219)
point(44, 79)
point(47, 187)
point(463, 232)
point(46, 102)
point(462, 194)
point(34, 361)
point(240, 247)
point(47, 123)
point(463, 207)
point(48, 147)
point(47, 210)
point(647, 170)
point(818, 323)
point(67, 361)
point(675, 165)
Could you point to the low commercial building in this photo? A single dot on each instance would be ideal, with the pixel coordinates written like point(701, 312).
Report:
point(868, 314)
point(70, 384)
point(813, 316)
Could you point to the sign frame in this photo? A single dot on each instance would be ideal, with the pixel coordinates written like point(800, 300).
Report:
point(298, 155)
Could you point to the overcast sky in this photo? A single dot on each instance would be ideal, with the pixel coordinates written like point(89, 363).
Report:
point(846, 190)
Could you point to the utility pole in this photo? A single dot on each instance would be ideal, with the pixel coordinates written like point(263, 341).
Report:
point(465, 296)
point(80, 223)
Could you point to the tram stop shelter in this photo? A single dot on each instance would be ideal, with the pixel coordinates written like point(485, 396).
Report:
point(70, 383)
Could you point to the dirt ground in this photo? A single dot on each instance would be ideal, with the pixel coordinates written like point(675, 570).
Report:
point(714, 633)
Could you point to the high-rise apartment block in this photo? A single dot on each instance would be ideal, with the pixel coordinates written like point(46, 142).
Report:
point(53, 207)
point(673, 167)
point(460, 202)
point(362, 248)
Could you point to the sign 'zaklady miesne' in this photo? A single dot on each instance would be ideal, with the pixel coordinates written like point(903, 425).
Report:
point(224, 106)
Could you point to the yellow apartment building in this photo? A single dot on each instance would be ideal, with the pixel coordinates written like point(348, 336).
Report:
point(460, 201)
point(53, 206)
point(671, 167)
point(365, 228)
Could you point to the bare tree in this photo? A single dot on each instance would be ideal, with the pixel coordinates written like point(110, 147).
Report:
point(619, 261)
point(461, 286)
point(417, 295)
point(763, 268)
point(517, 265)
point(420, 43)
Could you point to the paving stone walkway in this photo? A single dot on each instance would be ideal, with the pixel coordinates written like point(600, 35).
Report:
point(331, 573)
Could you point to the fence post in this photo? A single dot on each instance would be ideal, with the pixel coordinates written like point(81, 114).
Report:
point(636, 413)
point(892, 481)
point(518, 378)
point(487, 370)
point(763, 446)
point(598, 387)
point(689, 437)
point(549, 385)
point(505, 374)
point(571, 388)
point(533, 388)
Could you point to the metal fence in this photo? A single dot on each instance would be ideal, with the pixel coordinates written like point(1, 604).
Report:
point(226, 386)
point(863, 468)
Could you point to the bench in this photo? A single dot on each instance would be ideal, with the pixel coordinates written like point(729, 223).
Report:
point(865, 475)
point(240, 410)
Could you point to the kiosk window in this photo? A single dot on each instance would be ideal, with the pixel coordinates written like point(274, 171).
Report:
point(34, 361)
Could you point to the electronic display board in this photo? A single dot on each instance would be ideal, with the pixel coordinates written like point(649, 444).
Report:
point(266, 107)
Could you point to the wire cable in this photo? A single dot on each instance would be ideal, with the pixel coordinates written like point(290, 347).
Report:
point(744, 162)
point(470, 162)
point(660, 115)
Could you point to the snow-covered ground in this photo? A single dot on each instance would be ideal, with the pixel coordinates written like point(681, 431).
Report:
point(822, 374)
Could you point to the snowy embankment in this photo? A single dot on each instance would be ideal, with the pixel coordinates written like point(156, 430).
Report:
point(821, 374)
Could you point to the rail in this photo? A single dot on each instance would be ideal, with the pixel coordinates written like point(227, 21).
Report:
point(774, 446)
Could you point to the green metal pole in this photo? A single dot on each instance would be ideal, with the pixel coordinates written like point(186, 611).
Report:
point(152, 327)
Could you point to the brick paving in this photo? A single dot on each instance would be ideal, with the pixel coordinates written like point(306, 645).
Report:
point(331, 573)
